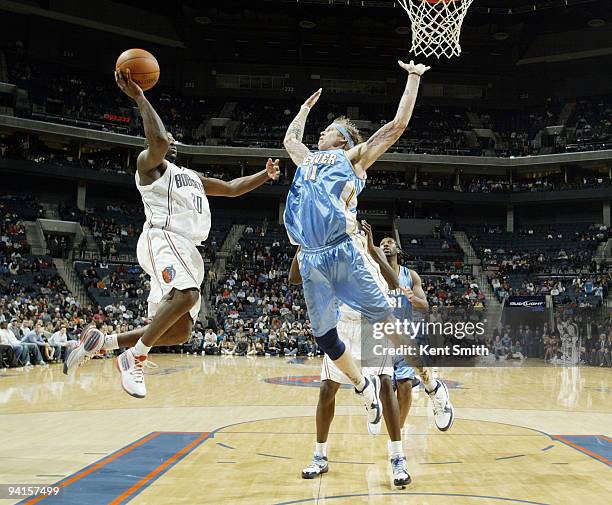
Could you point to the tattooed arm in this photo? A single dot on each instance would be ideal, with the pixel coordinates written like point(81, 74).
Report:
point(293, 138)
point(366, 153)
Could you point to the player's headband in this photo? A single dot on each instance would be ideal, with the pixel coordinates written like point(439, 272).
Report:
point(344, 132)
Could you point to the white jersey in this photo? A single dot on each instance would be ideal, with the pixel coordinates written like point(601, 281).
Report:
point(177, 202)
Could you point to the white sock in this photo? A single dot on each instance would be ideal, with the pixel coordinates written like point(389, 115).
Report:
point(110, 342)
point(140, 349)
point(395, 448)
point(431, 384)
point(362, 384)
point(321, 449)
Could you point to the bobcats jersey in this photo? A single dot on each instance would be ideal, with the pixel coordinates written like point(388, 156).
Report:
point(177, 202)
point(322, 201)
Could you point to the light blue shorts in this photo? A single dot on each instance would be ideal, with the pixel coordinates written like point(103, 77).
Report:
point(402, 370)
point(342, 272)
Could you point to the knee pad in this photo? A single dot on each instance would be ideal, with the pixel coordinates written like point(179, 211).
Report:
point(331, 344)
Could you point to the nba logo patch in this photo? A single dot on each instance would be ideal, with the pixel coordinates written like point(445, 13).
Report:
point(168, 274)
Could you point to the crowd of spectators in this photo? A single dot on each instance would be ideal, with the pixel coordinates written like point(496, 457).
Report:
point(31, 148)
point(82, 98)
point(258, 312)
point(256, 302)
point(545, 260)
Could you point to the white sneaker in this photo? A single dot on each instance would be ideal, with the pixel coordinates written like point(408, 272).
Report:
point(132, 376)
point(317, 467)
point(374, 429)
point(444, 413)
point(90, 343)
point(371, 400)
point(401, 478)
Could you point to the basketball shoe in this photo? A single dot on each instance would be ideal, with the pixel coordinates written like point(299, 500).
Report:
point(401, 477)
point(371, 399)
point(89, 345)
point(444, 413)
point(132, 375)
point(317, 467)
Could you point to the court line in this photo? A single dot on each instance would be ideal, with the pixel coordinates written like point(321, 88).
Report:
point(91, 468)
point(239, 405)
point(582, 449)
point(225, 445)
point(219, 430)
point(548, 448)
point(143, 483)
point(272, 455)
point(443, 463)
point(407, 493)
point(511, 457)
point(353, 462)
point(432, 434)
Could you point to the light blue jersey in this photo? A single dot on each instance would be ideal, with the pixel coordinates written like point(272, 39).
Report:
point(403, 311)
point(321, 216)
point(321, 205)
point(402, 306)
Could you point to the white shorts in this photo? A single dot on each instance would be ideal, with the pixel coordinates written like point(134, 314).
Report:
point(172, 261)
point(350, 333)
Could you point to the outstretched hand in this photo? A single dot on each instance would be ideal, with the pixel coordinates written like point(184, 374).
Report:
point(413, 68)
point(273, 169)
point(125, 83)
point(365, 226)
point(313, 98)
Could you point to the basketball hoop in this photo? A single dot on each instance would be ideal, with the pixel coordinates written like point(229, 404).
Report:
point(436, 25)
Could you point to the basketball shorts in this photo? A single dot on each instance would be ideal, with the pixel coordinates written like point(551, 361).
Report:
point(401, 369)
point(173, 262)
point(350, 333)
point(342, 272)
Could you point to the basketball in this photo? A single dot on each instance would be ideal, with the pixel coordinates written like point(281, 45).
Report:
point(143, 66)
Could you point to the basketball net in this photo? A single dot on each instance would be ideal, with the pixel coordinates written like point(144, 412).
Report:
point(436, 25)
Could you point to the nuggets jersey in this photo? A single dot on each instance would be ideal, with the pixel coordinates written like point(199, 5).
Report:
point(177, 202)
point(402, 308)
point(321, 205)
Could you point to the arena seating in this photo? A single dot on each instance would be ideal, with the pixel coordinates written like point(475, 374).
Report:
point(66, 96)
point(431, 248)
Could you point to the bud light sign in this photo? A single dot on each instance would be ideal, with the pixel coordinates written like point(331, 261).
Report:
point(533, 303)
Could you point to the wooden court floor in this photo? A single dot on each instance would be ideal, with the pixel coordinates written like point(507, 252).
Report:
point(226, 430)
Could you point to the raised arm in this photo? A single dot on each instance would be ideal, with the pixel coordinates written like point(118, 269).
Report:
point(242, 185)
point(152, 158)
point(293, 138)
point(385, 269)
point(366, 153)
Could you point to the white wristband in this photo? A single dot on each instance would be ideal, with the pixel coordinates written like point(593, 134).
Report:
point(305, 107)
